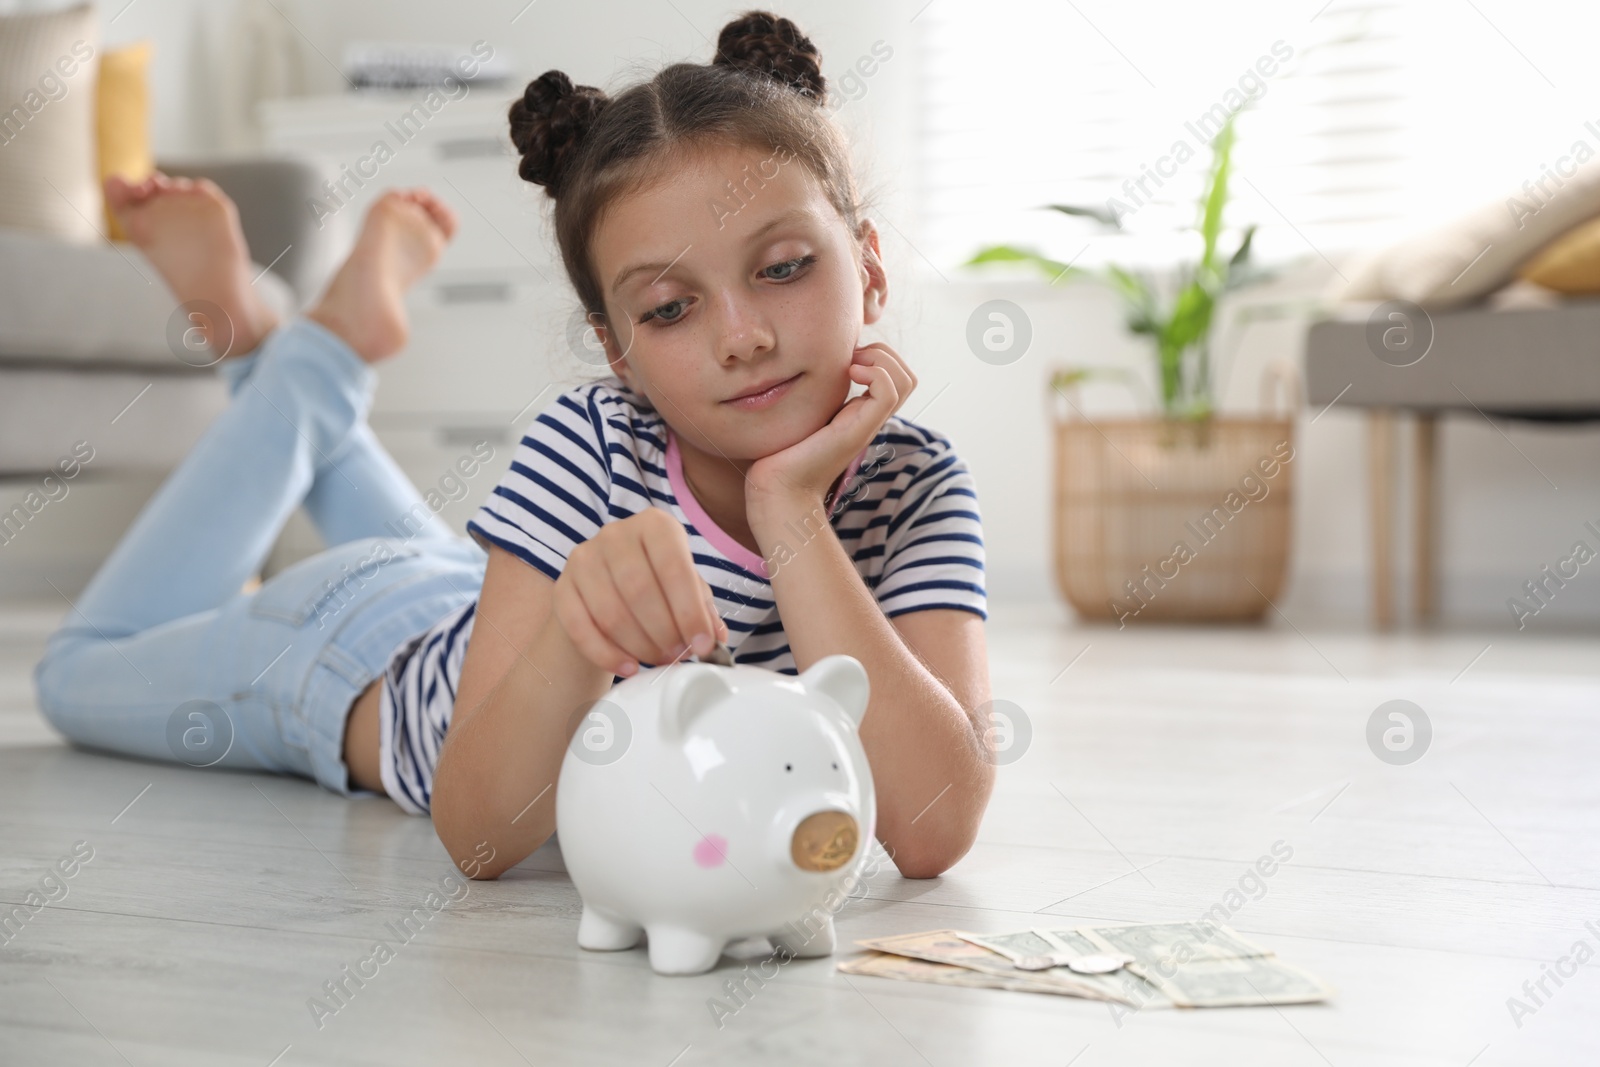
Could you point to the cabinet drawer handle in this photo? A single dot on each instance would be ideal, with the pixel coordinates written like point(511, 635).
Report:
point(471, 435)
point(471, 148)
point(475, 293)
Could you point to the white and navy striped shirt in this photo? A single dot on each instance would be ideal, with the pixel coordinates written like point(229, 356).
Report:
point(906, 512)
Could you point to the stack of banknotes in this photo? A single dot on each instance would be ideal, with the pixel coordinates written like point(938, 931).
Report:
point(1153, 965)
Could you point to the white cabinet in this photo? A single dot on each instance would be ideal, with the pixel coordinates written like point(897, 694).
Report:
point(488, 327)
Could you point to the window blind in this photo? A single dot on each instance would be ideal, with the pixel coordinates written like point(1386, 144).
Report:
point(1366, 118)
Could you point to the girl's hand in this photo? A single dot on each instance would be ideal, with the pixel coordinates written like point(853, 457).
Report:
point(805, 470)
point(631, 594)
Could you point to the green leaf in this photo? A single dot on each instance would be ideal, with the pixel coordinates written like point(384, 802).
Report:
point(1241, 271)
point(1066, 377)
point(1072, 375)
point(1139, 296)
point(1053, 269)
point(1101, 215)
point(1135, 289)
point(1069, 376)
point(1242, 256)
point(1191, 316)
point(1216, 195)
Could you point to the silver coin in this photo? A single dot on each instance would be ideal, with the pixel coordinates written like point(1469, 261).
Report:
point(1095, 963)
point(1101, 963)
point(719, 654)
point(1035, 963)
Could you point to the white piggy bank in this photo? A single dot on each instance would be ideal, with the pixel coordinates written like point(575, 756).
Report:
point(701, 804)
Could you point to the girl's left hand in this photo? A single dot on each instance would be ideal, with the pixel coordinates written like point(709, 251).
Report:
point(805, 471)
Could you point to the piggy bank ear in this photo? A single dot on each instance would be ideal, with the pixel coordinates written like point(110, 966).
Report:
point(845, 680)
point(691, 688)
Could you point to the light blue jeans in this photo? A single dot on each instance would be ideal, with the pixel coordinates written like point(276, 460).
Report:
point(163, 657)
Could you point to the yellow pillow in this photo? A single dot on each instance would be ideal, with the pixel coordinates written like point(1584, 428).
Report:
point(1569, 264)
point(122, 119)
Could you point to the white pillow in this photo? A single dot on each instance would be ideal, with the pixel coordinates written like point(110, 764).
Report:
point(1475, 255)
point(48, 67)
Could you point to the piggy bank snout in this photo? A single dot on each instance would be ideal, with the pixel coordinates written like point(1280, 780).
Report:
point(824, 841)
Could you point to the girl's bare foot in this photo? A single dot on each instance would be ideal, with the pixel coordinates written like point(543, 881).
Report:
point(402, 238)
point(189, 231)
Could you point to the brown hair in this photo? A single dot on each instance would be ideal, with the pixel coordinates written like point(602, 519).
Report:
point(764, 89)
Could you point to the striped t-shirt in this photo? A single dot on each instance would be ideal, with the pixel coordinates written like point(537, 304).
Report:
point(905, 511)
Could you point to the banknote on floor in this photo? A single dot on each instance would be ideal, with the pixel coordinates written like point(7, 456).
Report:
point(1194, 964)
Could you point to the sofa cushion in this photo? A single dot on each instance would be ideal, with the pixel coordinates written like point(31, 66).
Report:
point(47, 151)
point(122, 121)
point(131, 418)
point(1470, 257)
point(1570, 264)
point(100, 304)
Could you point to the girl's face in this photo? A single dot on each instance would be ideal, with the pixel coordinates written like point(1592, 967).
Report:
point(710, 294)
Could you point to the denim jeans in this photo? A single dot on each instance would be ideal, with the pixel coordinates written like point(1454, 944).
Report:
point(163, 657)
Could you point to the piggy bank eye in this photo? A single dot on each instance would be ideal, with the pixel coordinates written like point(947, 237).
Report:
point(788, 766)
point(836, 766)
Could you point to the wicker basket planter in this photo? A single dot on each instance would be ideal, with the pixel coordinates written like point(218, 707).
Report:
point(1184, 516)
point(1166, 520)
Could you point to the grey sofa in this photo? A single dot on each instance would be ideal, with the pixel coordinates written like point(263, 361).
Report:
point(1480, 362)
point(84, 348)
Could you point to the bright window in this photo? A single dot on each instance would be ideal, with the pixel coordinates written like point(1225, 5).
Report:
point(1369, 119)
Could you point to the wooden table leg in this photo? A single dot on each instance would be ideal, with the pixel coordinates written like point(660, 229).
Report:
point(1380, 479)
point(1424, 443)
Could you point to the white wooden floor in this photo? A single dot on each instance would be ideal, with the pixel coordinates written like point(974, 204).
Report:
point(1162, 765)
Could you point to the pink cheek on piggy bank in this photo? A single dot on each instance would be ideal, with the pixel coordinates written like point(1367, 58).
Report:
point(711, 851)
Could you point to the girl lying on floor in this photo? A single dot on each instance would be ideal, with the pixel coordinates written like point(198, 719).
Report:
point(718, 485)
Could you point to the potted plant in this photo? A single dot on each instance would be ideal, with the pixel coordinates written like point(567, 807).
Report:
point(1182, 515)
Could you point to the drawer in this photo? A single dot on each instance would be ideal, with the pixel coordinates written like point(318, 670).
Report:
point(482, 345)
point(501, 226)
point(502, 223)
point(347, 124)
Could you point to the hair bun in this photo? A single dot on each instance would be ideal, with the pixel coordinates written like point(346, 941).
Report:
point(764, 43)
point(548, 123)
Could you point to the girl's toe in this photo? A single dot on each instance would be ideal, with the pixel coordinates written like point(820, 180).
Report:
point(117, 191)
